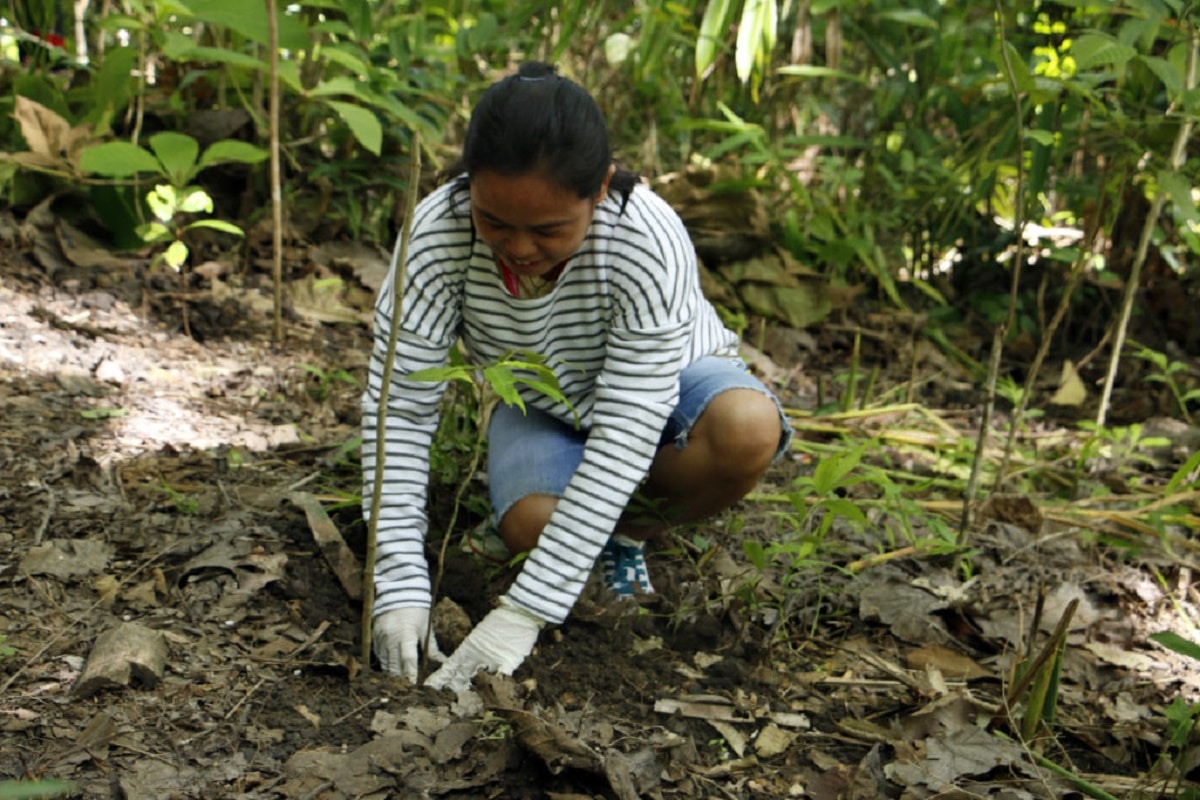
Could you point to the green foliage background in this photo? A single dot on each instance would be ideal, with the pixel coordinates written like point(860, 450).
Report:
point(884, 136)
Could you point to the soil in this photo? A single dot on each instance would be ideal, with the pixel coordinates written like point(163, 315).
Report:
point(176, 631)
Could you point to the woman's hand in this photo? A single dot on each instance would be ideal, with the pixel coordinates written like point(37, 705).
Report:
point(398, 636)
point(499, 643)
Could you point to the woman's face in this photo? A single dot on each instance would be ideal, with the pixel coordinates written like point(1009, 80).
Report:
point(529, 221)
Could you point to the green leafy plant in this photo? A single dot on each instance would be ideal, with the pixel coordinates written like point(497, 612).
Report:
point(1170, 373)
point(180, 501)
point(817, 501)
point(177, 158)
point(323, 379)
point(1183, 718)
point(6, 652)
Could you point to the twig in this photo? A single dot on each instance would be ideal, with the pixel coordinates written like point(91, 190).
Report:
point(1178, 157)
point(244, 698)
point(1064, 303)
point(381, 413)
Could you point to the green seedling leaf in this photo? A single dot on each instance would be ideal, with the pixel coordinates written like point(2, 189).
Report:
point(154, 232)
point(216, 225)
point(195, 200)
point(34, 790)
point(118, 160)
point(362, 123)
point(830, 471)
point(163, 203)
point(1175, 642)
point(1180, 714)
point(755, 554)
point(844, 508)
point(228, 150)
point(178, 153)
point(503, 382)
point(1186, 473)
point(176, 255)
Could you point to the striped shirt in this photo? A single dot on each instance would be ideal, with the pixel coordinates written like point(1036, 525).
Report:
point(626, 315)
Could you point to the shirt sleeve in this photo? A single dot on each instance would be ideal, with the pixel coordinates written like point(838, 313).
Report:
point(430, 317)
point(637, 389)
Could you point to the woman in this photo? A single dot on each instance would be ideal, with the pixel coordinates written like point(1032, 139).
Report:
point(540, 244)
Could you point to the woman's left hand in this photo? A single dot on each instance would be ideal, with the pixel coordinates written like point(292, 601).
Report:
point(499, 643)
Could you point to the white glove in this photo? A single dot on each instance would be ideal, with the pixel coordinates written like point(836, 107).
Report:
point(499, 643)
point(398, 636)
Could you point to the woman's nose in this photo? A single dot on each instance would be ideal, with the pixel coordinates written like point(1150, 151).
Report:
point(520, 245)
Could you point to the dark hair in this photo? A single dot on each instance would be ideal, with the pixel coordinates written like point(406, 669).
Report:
point(536, 120)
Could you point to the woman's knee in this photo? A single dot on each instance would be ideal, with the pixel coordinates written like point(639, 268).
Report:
point(742, 427)
point(522, 524)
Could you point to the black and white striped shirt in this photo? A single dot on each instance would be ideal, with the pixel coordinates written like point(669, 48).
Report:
point(626, 315)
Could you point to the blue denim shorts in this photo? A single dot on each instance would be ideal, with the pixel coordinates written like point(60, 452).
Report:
point(533, 453)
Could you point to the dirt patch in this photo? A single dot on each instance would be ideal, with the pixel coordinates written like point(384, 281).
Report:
point(148, 480)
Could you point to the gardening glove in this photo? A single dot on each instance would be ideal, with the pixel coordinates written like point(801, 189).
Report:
point(398, 636)
point(499, 643)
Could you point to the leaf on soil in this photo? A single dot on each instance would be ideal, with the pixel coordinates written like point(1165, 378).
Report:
point(253, 570)
point(1121, 656)
point(772, 741)
point(945, 716)
point(970, 753)
point(907, 610)
point(329, 539)
point(725, 712)
point(555, 747)
point(950, 663)
point(64, 559)
point(128, 655)
point(732, 736)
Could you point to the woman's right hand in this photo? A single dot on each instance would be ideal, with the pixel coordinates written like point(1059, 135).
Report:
point(399, 636)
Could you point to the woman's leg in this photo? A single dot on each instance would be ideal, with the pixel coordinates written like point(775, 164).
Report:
point(722, 437)
point(531, 458)
point(727, 451)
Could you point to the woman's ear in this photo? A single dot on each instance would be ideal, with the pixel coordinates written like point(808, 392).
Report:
point(603, 193)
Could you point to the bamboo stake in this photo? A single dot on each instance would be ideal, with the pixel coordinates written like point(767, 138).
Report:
point(1178, 157)
point(1002, 330)
point(276, 179)
point(381, 413)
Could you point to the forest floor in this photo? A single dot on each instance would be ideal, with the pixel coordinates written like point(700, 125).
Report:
point(175, 630)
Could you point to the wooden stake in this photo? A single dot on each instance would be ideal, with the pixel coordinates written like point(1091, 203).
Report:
point(381, 413)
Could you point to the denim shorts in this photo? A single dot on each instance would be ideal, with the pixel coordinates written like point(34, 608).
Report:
point(531, 452)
